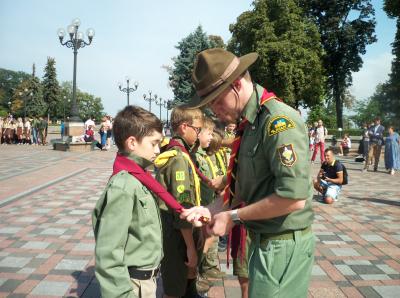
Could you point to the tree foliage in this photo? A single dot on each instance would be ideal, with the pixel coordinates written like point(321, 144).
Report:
point(180, 75)
point(346, 28)
point(391, 103)
point(289, 47)
point(9, 81)
point(51, 88)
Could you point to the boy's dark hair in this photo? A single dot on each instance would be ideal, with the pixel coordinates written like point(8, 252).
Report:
point(329, 149)
point(136, 122)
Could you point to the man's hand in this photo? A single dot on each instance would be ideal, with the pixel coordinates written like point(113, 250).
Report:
point(221, 224)
point(198, 215)
point(192, 258)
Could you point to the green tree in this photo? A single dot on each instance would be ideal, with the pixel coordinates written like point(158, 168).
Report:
point(216, 41)
point(346, 28)
point(391, 103)
point(9, 81)
point(367, 110)
point(325, 112)
point(180, 75)
point(35, 105)
point(289, 47)
point(51, 88)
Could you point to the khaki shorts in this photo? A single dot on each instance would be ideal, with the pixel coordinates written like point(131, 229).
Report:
point(144, 288)
point(241, 265)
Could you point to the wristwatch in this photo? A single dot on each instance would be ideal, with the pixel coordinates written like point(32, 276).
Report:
point(235, 217)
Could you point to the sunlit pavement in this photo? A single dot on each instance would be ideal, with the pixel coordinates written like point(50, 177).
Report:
point(46, 239)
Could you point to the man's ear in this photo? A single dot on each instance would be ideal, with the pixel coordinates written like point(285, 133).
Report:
point(131, 143)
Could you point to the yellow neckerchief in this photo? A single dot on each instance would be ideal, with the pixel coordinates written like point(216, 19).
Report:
point(163, 158)
point(221, 162)
point(211, 166)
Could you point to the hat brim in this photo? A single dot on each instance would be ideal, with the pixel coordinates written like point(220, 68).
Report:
point(245, 62)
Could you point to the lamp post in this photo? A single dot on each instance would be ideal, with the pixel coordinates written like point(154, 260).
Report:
point(128, 89)
point(160, 103)
point(24, 95)
point(75, 42)
point(150, 99)
point(9, 107)
point(167, 106)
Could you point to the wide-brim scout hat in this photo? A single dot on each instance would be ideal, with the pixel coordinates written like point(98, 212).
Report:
point(215, 70)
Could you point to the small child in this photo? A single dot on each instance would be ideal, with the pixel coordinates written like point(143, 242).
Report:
point(206, 160)
point(126, 219)
point(178, 174)
point(89, 137)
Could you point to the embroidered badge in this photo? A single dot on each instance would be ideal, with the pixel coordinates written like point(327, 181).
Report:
point(184, 198)
point(287, 155)
point(180, 176)
point(180, 188)
point(279, 124)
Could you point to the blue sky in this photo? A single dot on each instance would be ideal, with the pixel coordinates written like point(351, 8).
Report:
point(136, 38)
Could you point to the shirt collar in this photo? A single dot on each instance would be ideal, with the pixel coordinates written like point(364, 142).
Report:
point(142, 162)
point(251, 108)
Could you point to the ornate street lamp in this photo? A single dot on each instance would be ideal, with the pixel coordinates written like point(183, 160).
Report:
point(24, 96)
point(150, 99)
point(9, 107)
point(168, 106)
point(75, 42)
point(128, 89)
point(160, 103)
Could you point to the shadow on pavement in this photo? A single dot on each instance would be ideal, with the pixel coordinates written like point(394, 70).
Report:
point(375, 200)
point(87, 285)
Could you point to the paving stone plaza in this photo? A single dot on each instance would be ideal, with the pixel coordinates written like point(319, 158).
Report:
point(46, 239)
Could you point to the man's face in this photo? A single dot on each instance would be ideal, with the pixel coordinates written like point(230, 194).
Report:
point(329, 157)
point(149, 147)
point(205, 137)
point(377, 122)
point(226, 106)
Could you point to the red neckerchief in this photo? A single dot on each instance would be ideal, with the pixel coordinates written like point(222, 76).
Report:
point(237, 237)
point(175, 143)
point(122, 163)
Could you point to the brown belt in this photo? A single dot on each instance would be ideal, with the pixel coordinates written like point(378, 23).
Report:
point(142, 274)
point(287, 235)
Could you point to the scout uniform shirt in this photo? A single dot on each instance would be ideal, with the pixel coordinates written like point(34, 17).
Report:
point(176, 175)
point(274, 158)
point(127, 228)
point(207, 167)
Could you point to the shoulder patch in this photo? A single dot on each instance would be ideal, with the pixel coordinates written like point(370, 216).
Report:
point(180, 188)
point(287, 155)
point(279, 124)
point(180, 176)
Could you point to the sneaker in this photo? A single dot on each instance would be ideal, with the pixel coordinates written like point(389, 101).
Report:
point(375, 169)
point(213, 273)
point(392, 172)
point(201, 286)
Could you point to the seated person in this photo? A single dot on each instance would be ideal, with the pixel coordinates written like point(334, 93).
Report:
point(330, 178)
point(345, 145)
point(89, 137)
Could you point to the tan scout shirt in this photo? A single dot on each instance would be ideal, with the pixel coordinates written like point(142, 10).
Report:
point(127, 232)
point(274, 158)
point(177, 178)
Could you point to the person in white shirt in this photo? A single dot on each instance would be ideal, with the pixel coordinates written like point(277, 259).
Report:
point(319, 142)
point(89, 122)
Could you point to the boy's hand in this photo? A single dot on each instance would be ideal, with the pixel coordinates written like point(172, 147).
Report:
point(198, 215)
point(191, 257)
point(217, 183)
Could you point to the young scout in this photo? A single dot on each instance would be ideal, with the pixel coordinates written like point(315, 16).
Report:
point(126, 219)
point(209, 263)
point(271, 175)
point(177, 173)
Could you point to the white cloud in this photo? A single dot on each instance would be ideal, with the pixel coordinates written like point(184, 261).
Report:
point(375, 70)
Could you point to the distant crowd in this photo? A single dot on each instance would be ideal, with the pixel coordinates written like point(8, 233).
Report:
point(23, 131)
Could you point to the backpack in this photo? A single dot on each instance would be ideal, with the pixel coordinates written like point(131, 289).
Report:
point(345, 175)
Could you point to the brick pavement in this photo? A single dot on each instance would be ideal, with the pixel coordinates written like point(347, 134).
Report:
point(46, 241)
